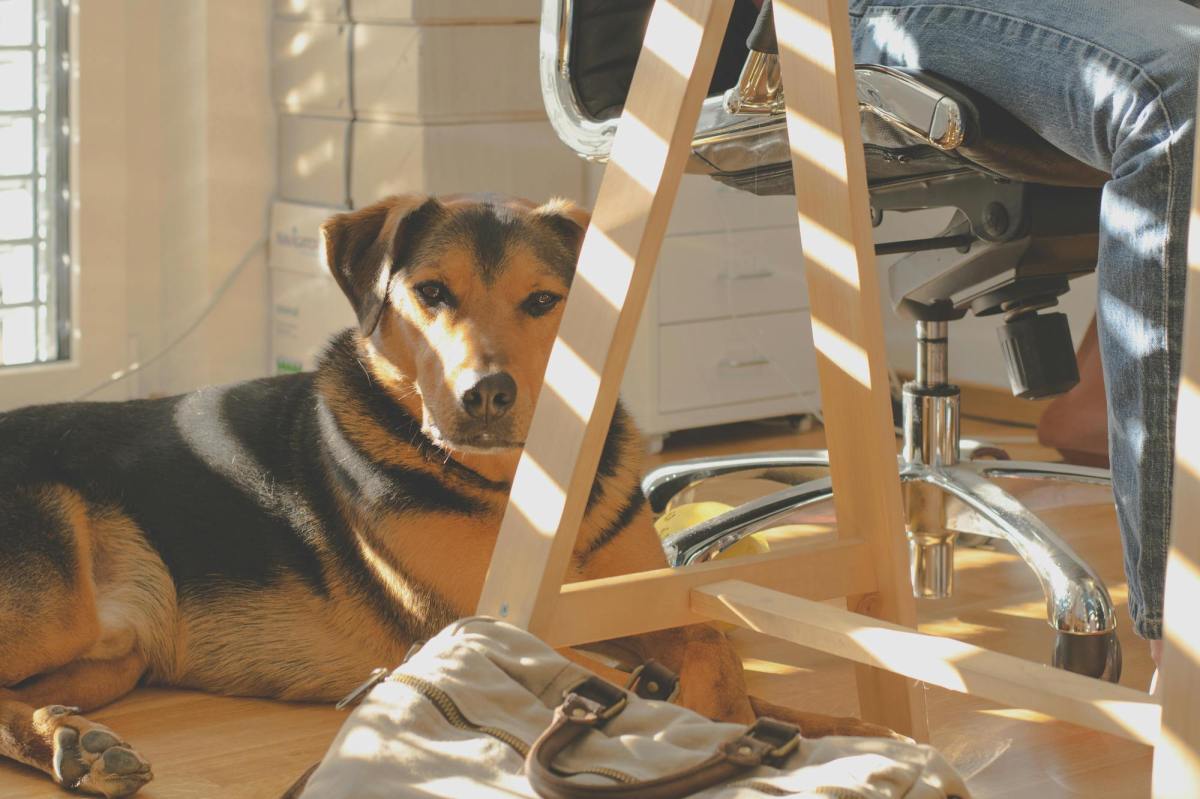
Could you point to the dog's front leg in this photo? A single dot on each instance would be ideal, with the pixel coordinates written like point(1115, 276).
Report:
point(712, 682)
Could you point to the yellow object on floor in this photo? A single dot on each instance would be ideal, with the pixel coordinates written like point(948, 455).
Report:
point(684, 516)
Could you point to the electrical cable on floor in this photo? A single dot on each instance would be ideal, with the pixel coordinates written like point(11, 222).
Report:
point(213, 300)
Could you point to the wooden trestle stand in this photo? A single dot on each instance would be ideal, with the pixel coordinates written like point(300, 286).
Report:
point(779, 593)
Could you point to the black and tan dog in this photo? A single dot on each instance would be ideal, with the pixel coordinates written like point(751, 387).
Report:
point(282, 537)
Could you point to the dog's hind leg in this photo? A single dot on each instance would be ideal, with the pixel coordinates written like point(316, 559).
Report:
point(56, 652)
point(78, 753)
point(48, 614)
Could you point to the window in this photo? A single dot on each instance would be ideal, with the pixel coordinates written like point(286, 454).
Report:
point(35, 284)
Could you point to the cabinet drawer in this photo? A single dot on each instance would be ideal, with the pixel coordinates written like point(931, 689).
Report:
point(704, 205)
point(735, 360)
point(730, 274)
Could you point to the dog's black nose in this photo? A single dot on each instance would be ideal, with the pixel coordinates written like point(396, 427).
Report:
point(491, 396)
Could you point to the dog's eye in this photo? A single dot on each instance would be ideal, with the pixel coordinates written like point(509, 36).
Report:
point(434, 294)
point(541, 302)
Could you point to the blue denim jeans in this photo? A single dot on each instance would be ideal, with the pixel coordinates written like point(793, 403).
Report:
point(1112, 83)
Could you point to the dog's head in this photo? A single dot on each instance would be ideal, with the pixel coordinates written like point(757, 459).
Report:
point(460, 298)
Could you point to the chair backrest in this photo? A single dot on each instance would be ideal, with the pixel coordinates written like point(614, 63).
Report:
point(606, 37)
point(589, 49)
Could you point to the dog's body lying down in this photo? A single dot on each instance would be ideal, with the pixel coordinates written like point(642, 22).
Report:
point(282, 537)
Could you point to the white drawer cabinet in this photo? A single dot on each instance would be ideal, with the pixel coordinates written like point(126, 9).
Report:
point(733, 361)
point(712, 351)
point(705, 206)
point(725, 335)
point(731, 273)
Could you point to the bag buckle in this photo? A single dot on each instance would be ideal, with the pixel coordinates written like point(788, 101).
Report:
point(593, 702)
point(653, 680)
point(783, 738)
point(765, 741)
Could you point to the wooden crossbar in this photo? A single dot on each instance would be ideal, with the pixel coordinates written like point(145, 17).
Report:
point(636, 603)
point(934, 660)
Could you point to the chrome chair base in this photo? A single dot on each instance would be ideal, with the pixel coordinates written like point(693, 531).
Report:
point(944, 496)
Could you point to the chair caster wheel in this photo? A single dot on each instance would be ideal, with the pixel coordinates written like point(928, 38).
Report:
point(1090, 655)
point(654, 444)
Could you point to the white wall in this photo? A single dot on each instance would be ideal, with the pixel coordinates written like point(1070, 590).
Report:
point(202, 128)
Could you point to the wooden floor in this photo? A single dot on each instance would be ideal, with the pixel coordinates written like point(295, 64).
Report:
point(204, 746)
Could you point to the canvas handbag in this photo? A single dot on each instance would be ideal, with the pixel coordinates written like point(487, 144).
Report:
point(487, 711)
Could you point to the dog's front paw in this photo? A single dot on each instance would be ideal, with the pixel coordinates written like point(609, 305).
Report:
point(90, 757)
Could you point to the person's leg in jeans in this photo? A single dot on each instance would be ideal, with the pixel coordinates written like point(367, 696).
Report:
point(1112, 83)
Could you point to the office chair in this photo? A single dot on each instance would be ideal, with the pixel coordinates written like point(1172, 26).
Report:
point(1026, 220)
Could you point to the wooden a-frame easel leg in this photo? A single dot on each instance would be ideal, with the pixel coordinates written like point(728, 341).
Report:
point(839, 262)
point(1177, 754)
point(613, 275)
point(616, 263)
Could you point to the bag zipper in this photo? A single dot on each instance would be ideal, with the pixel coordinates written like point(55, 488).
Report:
point(450, 711)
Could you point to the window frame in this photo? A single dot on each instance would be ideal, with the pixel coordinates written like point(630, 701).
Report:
point(50, 230)
point(97, 211)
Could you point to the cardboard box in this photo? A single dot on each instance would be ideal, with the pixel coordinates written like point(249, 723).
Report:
point(428, 12)
point(313, 162)
point(525, 159)
point(327, 10)
point(306, 310)
point(295, 237)
point(446, 73)
point(310, 67)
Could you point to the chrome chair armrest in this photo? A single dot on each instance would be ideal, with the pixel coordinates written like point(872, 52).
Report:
point(920, 110)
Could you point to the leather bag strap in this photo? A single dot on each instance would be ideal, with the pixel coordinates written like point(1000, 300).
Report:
point(591, 704)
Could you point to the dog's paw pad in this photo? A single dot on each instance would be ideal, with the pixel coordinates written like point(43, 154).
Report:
point(122, 761)
point(97, 741)
point(96, 761)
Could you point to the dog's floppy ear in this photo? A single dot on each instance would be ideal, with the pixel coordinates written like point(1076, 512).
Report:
point(363, 249)
point(566, 218)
